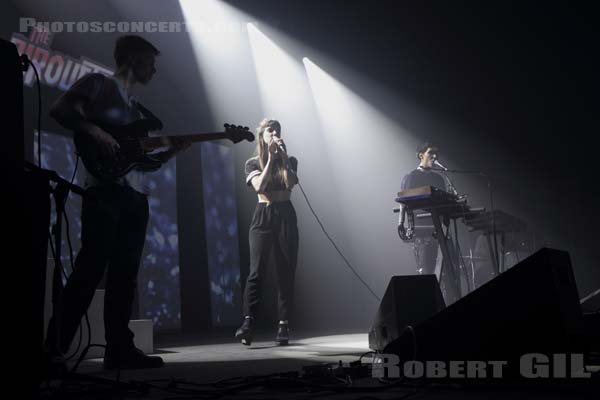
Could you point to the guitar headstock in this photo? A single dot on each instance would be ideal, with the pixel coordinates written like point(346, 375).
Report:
point(237, 133)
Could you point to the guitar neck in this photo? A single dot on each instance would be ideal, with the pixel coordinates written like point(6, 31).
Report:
point(155, 142)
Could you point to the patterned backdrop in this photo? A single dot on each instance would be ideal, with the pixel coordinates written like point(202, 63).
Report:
point(158, 280)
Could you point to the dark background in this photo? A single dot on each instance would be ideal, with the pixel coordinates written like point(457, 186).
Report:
point(516, 81)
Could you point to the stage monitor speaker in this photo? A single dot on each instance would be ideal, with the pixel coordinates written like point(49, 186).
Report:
point(28, 273)
point(11, 76)
point(531, 308)
point(590, 305)
point(408, 300)
point(591, 302)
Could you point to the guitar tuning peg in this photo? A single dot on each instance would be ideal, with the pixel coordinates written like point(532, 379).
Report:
point(246, 128)
point(226, 125)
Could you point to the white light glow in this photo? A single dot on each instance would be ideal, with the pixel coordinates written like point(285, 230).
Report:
point(218, 36)
point(280, 78)
point(370, 153)
point(357, 130)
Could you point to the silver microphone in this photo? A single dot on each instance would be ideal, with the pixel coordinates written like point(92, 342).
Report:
point(287, 161)
point(279, 147)
point(439, 165)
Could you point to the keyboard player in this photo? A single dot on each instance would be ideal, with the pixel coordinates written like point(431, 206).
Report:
point(425, 245)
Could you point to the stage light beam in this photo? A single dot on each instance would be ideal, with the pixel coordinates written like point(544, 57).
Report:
point(281, 80)
point(218, 36)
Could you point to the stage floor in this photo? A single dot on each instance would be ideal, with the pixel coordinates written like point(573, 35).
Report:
point(201, 367)
point(221, 357)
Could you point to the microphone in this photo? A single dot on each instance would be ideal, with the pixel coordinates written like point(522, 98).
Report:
point(439, 164)
point(281, 148)
point(450, 184)
point(287, 162)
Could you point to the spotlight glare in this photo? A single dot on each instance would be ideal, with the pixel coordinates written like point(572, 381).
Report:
point(218, 36)
point(278, 75)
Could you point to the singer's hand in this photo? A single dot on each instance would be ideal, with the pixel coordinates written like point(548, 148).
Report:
point(272, 146)
point(279, 142)
point(281, 150)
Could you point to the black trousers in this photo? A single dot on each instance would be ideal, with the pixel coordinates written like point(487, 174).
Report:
point(112, 240)
point(274, 227)
point(426, 255)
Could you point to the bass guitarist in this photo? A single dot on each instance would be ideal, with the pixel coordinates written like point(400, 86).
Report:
point(114, 220)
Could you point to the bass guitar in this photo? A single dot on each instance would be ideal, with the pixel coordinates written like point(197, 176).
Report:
point(135, 146)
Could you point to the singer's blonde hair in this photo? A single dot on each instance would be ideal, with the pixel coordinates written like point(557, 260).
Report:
point(262, 152)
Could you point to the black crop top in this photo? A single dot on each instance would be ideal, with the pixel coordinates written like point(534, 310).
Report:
point(252, 169)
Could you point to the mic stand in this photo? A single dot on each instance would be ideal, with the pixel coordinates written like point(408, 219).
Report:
point(60, 193)
point(495, 257)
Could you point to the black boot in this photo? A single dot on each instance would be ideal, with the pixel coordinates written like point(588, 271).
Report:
point(244, 332)
point(283, 334)
point(54, 361)
point(129, 358)
point(55, 365)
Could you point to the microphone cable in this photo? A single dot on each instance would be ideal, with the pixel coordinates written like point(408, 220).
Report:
point(335, 245)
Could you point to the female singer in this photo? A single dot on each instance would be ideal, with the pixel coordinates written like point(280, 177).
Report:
point(272, 174)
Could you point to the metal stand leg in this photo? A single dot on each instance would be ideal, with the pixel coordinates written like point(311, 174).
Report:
point(472, 265)
point(462, 267)
point(501, 257)
point(447, 257)
point(493, 258)
point(60, 193)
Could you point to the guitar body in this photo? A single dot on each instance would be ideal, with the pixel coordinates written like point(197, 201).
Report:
point(130, 155)
point(135, 144)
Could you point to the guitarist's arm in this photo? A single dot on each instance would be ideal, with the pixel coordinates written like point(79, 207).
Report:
point(177, 144)
point(68, 110)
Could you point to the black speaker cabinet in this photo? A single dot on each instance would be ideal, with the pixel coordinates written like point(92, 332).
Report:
point(408, 300)
point(591, 302)
point(11, 95)
point(590, 305)
point(531, 308)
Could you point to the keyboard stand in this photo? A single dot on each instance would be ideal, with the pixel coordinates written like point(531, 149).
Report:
point(448, 259)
